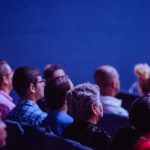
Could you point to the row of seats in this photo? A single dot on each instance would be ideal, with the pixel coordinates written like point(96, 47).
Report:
point(25, 137)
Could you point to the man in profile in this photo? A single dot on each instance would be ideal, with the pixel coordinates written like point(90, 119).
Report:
point(6, 103)
point(107, 78)
point(29, 85)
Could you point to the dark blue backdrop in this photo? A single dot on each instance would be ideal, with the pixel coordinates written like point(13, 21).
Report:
point(78, 34)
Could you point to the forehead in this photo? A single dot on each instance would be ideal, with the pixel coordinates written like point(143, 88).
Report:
point(59, 72)
point(2, 124)
point(8, 68)
point(39, 78)
point(5, 68)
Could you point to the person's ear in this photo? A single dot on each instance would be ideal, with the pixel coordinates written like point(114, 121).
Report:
point(114, 84)
point(94, 109)
point(32, 88)
point(97, 109)
point(5, 79)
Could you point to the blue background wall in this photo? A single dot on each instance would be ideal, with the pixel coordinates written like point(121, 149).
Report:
point(78, 34)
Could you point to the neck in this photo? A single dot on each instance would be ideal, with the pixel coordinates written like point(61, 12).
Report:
point(30, 97)
point(64, 108)
point(6, 90)
point(108, 92)
point(92, 120)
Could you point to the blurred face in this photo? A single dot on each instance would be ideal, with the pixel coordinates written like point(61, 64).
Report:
point(58, 73)
point(9, 75)
point(3, 134)
point(117, 81)
point(39, 88)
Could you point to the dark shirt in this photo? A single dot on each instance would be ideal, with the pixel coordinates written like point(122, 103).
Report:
point(88, 134)
point(43, 105)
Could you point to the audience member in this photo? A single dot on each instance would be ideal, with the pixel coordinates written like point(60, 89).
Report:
point(29, 85)
point(142, 72)
point(6, 103)
point(53, 71)
point(107, 78)
point(50, 72)
point(54, 93)
point(85, 107)
point(127, 138)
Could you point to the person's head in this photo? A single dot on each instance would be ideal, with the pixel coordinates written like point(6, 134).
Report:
point(107, 78)
point(142, 72)
point(28, 83)
point(53, 71)
point(140, 114)
point(55, 92)
point(84, 103)
point(3, 133)
point(6, 75)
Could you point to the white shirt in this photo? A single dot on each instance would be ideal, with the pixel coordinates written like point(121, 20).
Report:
point(113, 105)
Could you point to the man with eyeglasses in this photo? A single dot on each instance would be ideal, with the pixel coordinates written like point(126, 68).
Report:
point(6, 101)
point(29, 85)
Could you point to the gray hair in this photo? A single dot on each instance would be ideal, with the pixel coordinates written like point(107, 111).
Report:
point(80, 98)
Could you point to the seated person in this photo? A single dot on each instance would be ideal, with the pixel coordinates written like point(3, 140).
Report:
point(50, 72)
point(139, 115)
point(85, 107)
point(6, 102)
point(29, 85)
point(142, 72)
point(54, 93)
point(107, 78)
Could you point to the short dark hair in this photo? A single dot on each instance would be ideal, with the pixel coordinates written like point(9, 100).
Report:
point(55, 91)
point(49, 71)
point(23, 77)
point(140, 114)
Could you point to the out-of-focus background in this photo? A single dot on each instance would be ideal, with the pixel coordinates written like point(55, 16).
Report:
point(80, 35)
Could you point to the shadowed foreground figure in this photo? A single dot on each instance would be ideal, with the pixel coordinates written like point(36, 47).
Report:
point(85, 107)
point(126, 138)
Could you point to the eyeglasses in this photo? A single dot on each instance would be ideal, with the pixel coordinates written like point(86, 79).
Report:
point(42, 81)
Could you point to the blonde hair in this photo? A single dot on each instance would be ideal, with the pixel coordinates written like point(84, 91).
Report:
point(142, 71)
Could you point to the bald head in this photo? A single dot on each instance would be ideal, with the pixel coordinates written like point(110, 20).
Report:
point(107, 78)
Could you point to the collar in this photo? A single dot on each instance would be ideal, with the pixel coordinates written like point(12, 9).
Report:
point(27, 101)
point(109, 100)
point(6, 95)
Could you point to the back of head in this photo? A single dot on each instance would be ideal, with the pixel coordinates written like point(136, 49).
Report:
point(55, 91)
point(140, 114)
point(23, 77)
point(79, 100)
point(107, 77)
point(53, 71)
